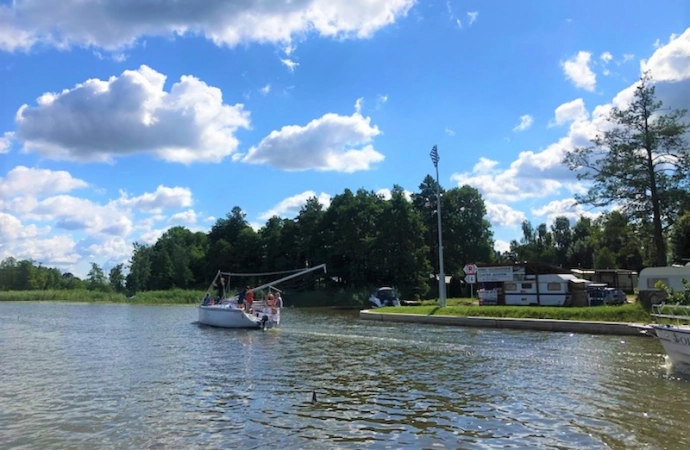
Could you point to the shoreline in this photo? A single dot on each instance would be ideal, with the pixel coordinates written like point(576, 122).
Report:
point(553, 325)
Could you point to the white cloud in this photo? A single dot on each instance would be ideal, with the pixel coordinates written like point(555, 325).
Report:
point(563, 208)
point(670, 62)
point(542, 173)
point(186, 218)
point(525, 122)
point(265, 90)
point(291, 206)
point(6, 141)
point(472, 15)
point(290, 64)
point(387, 195)
point(501, 246)
point(358, 105)
point(99, 120)
point(570, 112)
point(450, 132)
point(577, 70)
point(155, 202)
point(380, 100)
point(114, 24)
point(329, 143)
point(503, 215)
point(27, 181)
point(628, 57)
point(606, 57)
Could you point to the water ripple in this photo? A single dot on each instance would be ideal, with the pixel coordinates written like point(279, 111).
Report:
point(120, 376)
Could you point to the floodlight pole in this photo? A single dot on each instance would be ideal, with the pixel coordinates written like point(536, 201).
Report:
point(441, 275)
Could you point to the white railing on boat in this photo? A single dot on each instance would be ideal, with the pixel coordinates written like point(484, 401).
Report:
point(676, 312)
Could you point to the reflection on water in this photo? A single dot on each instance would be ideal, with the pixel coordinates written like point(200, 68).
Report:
point(118, 376)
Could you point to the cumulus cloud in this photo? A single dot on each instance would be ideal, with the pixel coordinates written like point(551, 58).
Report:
point(540, 174)
point(577, 70)
point(525, 122)
point(387, 195)
point(5, 142)
point(162, 198)
point(329, 143)
point(291, 206)
point(566, 207)
point(290, 64)
point(503, 215)
point(99, 120)
point(114, 24)
point(501, 246)
point(27, 181)
point(570, 112)
point(40, 220)
point(185, 218)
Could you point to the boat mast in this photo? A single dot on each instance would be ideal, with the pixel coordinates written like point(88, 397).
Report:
point(289, 277)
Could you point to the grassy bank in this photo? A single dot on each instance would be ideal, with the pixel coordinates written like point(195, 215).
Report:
point(632, 313)
point(167, 297)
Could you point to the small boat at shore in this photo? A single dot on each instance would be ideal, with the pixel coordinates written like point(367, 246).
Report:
point(675, 333)
point(384, 296)
point(234, 312)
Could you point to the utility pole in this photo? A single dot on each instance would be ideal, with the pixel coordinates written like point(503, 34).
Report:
point(441, 275)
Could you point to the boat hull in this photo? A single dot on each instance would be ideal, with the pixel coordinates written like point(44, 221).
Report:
point(676, 342)
point(224, 316)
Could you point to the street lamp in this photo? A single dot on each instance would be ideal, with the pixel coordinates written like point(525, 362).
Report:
point(441, 275)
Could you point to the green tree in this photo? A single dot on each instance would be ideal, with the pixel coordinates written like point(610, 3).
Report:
point(117, 278)
point(641, 163)
point(680, 239)
point(96, 278)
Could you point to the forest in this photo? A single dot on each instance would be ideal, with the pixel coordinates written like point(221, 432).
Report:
point(638, 171)
point(366, 241)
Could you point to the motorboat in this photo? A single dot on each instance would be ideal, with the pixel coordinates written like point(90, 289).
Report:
point(673, 330)
point(230, 312)
point(384, 296)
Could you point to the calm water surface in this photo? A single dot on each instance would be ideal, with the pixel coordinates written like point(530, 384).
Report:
point(86, 376)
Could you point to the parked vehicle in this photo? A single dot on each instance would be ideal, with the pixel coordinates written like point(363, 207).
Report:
point(601, 294)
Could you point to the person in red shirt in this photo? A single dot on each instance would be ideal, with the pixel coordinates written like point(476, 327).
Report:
point(249, 299)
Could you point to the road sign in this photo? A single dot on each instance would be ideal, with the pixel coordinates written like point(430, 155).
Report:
point(470, 269)
point(470, 279)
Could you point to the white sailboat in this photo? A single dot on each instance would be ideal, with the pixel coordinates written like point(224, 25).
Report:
point(227, 313)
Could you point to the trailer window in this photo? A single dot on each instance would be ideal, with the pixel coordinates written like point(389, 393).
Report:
point(553, 287)
point(651, 282)
point(510, 286)
point(526, 285)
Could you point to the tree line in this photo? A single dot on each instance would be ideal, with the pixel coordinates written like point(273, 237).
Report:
point(639, 168)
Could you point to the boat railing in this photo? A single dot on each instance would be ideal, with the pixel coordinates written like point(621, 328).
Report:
point(676, 312)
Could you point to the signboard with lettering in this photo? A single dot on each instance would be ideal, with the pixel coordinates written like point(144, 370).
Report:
point(470, 279)
point(494, 274)
point(470, 269)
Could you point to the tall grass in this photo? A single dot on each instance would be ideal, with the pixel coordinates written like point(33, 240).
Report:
point(168, 297)
point(631, 313)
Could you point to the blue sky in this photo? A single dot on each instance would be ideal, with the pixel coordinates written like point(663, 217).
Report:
point(120, 119)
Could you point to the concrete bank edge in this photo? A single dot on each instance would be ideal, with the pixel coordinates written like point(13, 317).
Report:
point(567, 326)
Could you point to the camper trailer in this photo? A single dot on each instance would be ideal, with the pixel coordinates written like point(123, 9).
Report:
point(671, 276)
point(547, 290)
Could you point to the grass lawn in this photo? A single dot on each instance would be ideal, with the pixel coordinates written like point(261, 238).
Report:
point(630, 313)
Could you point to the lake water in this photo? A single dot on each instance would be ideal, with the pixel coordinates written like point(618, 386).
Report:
point(92, 376)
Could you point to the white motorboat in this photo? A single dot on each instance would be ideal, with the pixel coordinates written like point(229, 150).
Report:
point(384, 296)
point(231, 313)
point(674, 336)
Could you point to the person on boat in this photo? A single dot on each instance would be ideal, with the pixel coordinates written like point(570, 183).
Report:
point(279, 300)
point(241, 296)
point(249, 298)
point(221, 288)
point(207, 299)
